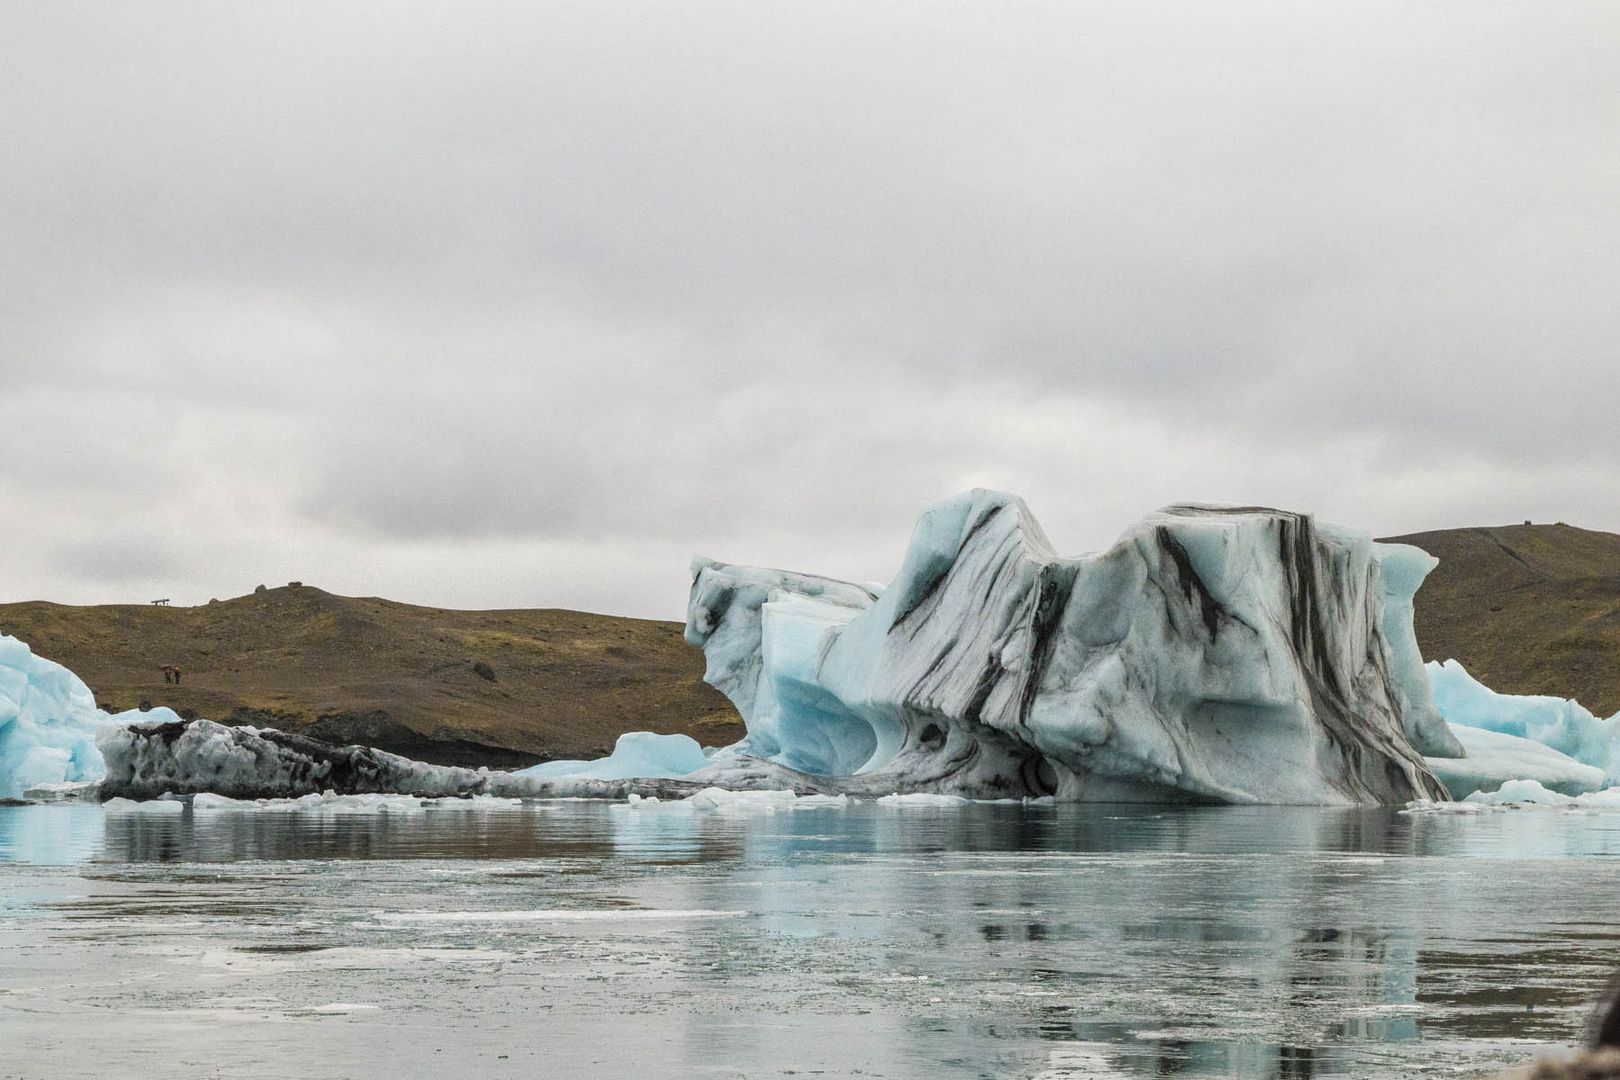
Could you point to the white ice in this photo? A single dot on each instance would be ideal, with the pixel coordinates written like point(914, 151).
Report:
point(636, 754)
point(1559, 723)
point(48, 723)
point(1494, 758)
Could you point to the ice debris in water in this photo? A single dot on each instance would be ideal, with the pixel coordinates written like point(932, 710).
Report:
point(726, 801)
point(48, 723)
point(327, 802)
point(635, 754)
point(1520, 794)
point(923, 798)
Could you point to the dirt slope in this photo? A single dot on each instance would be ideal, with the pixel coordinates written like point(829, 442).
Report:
point(1528, 609)
point(404, 678)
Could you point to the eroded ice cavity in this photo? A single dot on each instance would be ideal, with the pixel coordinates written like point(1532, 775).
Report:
point(48, 723)
point(1236, 654)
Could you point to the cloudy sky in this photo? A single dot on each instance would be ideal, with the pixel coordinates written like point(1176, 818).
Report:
point(521, 304)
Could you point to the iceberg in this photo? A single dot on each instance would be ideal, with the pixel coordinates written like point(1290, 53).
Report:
point(1559, 723)
point(636, 753)
point(159, 753)
point(48, 723)
point(1226, 654)
point(153, 756)
point(1495, 759)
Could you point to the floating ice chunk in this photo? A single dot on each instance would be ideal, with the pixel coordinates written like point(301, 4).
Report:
point(207, 802)
point(1493, 758)
point(1431, 806)
point(1520, 792)
point(720, 799)
point(48, 723)
point(144, 806)
point(636, 754)
point(923, 798)
point(1557, 722)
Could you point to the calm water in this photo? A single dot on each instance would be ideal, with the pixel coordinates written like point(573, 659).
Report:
point(579, 939)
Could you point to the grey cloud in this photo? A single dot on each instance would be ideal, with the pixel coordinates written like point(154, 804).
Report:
point(364, 281)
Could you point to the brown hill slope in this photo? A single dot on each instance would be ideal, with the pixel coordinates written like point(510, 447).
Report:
point(1528, 609)
point(404, 678)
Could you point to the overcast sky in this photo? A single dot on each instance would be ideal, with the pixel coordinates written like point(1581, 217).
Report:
point(521, 304)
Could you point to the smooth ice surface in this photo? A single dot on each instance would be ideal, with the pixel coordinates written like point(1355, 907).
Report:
point(48, 723)
point(1560, 723)
point(1237, 654)
point(1493, 757)
point(586, 939)
point(635, 754)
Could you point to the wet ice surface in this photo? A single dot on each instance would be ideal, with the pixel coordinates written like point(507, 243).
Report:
point(579, 939)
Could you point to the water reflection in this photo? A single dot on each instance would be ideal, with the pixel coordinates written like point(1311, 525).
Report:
point(981, 941)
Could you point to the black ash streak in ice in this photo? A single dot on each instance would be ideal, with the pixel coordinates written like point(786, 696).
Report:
point(1238, 654)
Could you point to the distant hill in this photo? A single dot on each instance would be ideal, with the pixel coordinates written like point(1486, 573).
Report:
point(1528, 609)
point(498, 688)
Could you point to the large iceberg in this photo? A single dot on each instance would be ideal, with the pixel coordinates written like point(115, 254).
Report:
point(48, 723)
point(1232, 654)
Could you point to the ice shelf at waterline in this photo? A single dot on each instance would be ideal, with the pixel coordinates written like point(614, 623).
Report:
point(1234, 654)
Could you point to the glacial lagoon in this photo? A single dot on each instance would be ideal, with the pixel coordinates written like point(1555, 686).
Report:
point(982, 940)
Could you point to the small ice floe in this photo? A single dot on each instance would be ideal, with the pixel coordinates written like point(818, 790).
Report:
point(636, 754)
point(922, 798)
point(148, 806)
point(727, 801)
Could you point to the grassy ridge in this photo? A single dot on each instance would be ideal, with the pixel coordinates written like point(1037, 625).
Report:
point(405, 678)
point(1528, 609)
